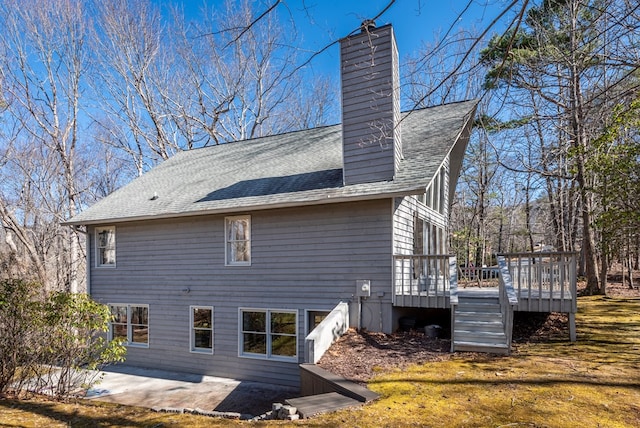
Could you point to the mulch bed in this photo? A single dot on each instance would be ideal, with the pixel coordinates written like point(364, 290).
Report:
point(359, 355)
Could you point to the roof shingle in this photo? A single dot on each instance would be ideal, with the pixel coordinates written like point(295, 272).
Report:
point(296, 168)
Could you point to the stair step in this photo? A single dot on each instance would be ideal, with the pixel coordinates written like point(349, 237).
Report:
point(480, 336)
point(489, 326)
point(478, 325)
point(478, 313)
point(468, 346)
point(478, 316)
point(480, 306)
point(465, 300)
point(321, 403)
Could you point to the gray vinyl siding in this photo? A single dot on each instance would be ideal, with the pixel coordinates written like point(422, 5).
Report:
point(370, 106)
point(302, 258)
point(403, 222)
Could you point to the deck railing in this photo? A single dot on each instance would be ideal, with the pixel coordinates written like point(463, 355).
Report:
point(544, 281)
point(473, 276)
point(541, 282)
point(422, 279)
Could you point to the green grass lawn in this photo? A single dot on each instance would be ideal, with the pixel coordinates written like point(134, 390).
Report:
point(593, 382)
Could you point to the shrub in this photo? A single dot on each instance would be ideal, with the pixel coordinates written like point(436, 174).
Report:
point(77, 346)
point(53, 343)
point(19, 313)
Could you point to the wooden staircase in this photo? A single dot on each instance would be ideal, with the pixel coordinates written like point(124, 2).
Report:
point(478, 324)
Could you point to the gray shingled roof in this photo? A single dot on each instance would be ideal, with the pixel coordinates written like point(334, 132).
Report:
point(292, 169)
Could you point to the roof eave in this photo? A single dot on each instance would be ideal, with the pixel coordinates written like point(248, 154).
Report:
point(329, 199)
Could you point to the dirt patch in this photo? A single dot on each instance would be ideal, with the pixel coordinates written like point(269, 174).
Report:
point(535, 327)
point(618, 284)
point(620, 290)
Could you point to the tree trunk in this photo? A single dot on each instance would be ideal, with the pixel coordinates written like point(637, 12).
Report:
point(580, 143)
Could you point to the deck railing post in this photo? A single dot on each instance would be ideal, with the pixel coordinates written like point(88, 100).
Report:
point(453, 294)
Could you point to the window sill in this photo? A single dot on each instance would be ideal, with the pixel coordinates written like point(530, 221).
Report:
point(202, 351)
point(136, 345)
point(272, 358)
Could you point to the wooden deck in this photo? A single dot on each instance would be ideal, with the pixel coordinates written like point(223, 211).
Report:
point(482, 315)
point(542, 282)
point(544, 301)
point(424, 281)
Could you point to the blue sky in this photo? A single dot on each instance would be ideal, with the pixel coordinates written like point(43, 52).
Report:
point(319, 22)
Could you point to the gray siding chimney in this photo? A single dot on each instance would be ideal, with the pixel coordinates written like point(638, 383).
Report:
point(371, 145)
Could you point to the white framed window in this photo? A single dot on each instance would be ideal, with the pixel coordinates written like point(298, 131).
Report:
point(269, 334)
point(201, 320)
point(237, 240)
point(130, 323)
point(106, 246)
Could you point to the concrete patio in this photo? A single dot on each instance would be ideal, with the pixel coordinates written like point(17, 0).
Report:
point(135, 386)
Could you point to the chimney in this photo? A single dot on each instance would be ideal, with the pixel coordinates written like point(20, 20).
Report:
point(371, 145)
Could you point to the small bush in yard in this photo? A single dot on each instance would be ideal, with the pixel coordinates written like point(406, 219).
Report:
point(51, 343)
point(77, 347)
point(19, 314)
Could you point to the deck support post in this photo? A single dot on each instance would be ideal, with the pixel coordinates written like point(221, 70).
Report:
point(572, 326)
point(453, 323)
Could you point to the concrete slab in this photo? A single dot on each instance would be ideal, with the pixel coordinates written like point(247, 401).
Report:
point(150, 388)
point(322, 403)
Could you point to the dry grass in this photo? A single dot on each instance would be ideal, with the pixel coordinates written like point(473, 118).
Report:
point(594, 382)
point(45, 413)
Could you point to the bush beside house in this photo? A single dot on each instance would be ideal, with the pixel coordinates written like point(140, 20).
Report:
point(51, 342)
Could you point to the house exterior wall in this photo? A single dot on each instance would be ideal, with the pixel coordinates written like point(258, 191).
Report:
point(411, 213)
point(405, 209)
point(302, 259)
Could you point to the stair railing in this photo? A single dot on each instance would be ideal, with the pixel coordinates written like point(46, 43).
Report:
point(508, 299)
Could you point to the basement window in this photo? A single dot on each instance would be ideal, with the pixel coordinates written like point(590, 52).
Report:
point(202, 329)
point(130, 323)
point(269, 334)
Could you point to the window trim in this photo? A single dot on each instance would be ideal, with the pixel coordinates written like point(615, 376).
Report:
point(98, 263)
point(268, 355)
point(443, 176)
point(192, 330)
point(227, 258)
point(129, 341)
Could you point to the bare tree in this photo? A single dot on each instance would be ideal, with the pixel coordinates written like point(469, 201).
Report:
point(43, 62)
point(559, 76)
point(186, 85)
